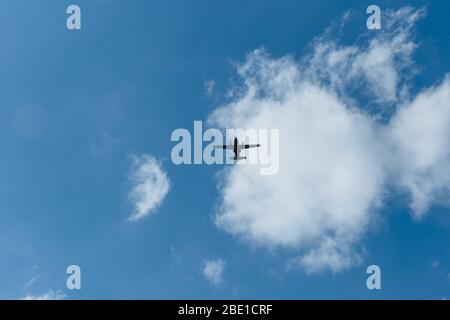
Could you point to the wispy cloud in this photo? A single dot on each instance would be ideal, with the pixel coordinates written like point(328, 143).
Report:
point(103, 144)
point(149, 185)
point(435, 264)
point(379, 70)
point(338, 158)
point(419, 133)
point(50, 295)
point(32, 281)
point(210, 85)
point(213, 271)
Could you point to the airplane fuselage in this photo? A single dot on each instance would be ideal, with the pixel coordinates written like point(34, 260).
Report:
point(236, 148)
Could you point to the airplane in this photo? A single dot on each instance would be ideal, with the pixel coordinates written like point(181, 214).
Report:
point(236, 147)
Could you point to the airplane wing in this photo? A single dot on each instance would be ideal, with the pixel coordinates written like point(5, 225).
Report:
point(224, 146)
point(248, 146)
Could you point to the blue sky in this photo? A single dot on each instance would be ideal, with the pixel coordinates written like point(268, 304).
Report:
point(119, 86)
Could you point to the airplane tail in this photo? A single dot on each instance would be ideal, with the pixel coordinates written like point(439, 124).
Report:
point(238, 158)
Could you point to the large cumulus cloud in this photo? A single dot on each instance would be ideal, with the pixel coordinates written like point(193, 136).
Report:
point(338, 158)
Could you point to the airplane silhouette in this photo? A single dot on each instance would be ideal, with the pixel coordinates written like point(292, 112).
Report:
point(236, 147)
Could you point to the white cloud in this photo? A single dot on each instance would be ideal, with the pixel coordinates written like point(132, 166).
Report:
point(377, 68)
point(150, 185)
point(420, 132)
point(435, 264)
point(331, 254)
point(337, 160)
point(50, 295)
point(329, 176)
point(213, 271)
point(32, 281)
point(210, 85)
